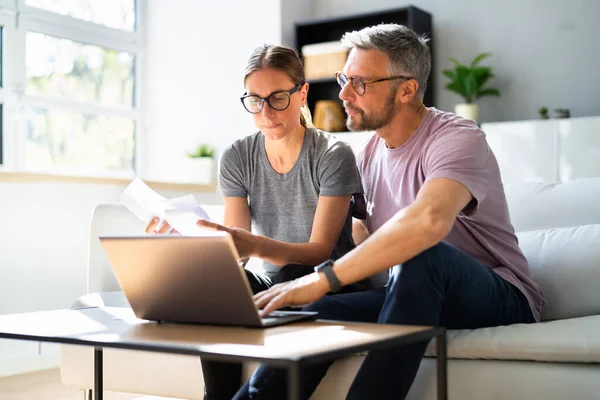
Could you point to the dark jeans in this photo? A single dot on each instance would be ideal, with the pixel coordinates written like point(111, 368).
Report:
point(222, 379)
point(442, 286)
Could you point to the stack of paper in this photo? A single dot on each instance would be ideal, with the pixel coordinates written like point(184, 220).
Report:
point(181, 213)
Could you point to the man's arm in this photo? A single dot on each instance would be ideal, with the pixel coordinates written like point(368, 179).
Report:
point(411, 231)
point(417, 228)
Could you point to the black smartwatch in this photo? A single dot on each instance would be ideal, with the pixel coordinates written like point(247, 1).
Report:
point(327, 269)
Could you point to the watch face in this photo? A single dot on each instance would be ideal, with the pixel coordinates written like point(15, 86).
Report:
point(323, 265)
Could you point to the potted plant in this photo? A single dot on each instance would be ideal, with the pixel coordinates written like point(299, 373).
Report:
point(468, 82)
point(201, 164)
point(543, 111)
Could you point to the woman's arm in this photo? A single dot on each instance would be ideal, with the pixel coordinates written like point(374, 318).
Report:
point(360, 232)
point(329, 219)
point(237, 213)
point(330, 215)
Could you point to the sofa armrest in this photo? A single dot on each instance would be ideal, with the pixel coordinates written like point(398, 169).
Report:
point(105, 299)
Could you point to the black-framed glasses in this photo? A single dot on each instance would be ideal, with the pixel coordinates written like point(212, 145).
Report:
point(360, 84)
point(278, 101)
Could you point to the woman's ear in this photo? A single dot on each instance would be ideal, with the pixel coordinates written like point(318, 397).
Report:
point(304, 91)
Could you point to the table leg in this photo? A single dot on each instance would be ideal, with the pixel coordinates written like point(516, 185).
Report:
point(442, 365)
point(98, 373)
point(294, 385)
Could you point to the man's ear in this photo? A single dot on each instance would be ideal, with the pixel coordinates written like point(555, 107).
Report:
point(407, 91)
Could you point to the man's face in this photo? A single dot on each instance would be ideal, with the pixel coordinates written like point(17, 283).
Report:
point(377, 106)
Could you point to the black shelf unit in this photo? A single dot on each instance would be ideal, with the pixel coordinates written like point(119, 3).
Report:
point(331, 29)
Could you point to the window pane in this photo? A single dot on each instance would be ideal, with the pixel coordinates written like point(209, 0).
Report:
point(62, 139)
point(118, 14)
point(63, 68)
point(1, 133)
point(1, 58)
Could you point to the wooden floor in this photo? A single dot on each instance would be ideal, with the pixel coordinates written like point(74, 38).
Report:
point(47, 385)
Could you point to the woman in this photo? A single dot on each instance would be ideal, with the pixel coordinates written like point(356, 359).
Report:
point(287, 188)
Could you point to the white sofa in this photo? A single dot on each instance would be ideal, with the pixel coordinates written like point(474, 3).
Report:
point(559, 231)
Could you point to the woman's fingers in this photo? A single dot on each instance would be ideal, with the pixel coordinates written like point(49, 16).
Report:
point(212, 225)
point(155, 227)
point(151, 227)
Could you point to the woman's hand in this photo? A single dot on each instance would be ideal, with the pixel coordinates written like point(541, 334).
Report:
point(154, 228)
point(299, 292)
point(245, 242)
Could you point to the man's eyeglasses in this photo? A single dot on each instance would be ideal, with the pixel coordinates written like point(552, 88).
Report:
point(278, 101)
point(360, 85)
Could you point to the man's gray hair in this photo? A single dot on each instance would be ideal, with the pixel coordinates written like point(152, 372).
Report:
point(408, 52)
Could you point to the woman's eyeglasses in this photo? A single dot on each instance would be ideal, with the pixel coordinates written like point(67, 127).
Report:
point(278, 101)
point(360, 85)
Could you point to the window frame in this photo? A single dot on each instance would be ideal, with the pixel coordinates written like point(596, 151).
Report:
point(23, 19)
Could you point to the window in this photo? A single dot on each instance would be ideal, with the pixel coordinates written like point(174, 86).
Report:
point(74, 94)
point(118, 14)
point(1, 98)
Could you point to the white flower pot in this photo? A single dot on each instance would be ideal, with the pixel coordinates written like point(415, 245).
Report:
point(466, 110)
point(200, 170)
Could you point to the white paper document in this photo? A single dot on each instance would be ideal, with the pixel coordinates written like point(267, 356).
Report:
point(181, 213)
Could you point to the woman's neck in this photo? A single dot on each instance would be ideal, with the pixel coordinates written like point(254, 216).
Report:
point(283, 153)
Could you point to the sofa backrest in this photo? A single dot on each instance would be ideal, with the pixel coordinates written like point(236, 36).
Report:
point(558, 226)
point(536, 206)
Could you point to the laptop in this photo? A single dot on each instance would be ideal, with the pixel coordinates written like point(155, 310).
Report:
point(188, 279)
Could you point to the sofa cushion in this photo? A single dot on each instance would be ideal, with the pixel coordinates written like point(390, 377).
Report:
point(536, 206)
point(104, 299)
point(574, 340)
point(565, 262)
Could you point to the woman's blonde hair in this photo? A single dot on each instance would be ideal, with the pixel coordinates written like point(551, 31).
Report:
point(284, 59)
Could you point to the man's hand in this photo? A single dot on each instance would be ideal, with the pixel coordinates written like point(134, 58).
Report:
point(245, 242)
point(299, 292)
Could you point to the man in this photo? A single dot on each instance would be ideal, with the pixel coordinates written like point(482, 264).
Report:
point(437, 218)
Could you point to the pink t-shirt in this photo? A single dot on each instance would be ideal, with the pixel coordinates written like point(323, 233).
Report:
point(448, 146)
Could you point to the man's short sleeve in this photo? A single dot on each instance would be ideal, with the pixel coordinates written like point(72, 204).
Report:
point(337, 172)
point(231, 174)
point(462, 156)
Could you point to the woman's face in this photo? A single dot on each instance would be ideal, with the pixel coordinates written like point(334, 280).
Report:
point(275, 124)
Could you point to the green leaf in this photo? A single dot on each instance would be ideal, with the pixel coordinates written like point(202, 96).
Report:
point(469, 81)
point(479, 58)
point(450, 74)
point(455, 61)
point(456, 88)
point(488, 92)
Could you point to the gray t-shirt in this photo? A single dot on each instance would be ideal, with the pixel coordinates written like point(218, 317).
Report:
point(283, 206)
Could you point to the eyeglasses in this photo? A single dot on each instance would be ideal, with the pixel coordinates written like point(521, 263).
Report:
point(278, 101)
point(360, 85)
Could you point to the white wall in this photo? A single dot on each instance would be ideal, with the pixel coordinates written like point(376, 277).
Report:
point(543, 52)
point(197, 51)
point(293, 11)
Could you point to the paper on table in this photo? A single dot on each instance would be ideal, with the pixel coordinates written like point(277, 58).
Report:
point(180, 212)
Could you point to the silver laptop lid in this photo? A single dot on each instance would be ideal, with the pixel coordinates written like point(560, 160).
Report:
point(187, 279)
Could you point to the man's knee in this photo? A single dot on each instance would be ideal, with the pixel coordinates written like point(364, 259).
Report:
point(326, 306)
point(428, 263)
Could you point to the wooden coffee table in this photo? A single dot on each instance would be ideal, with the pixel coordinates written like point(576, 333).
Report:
point(291, 346)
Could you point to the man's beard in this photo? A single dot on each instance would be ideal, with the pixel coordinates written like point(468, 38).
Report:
point(372, 122)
